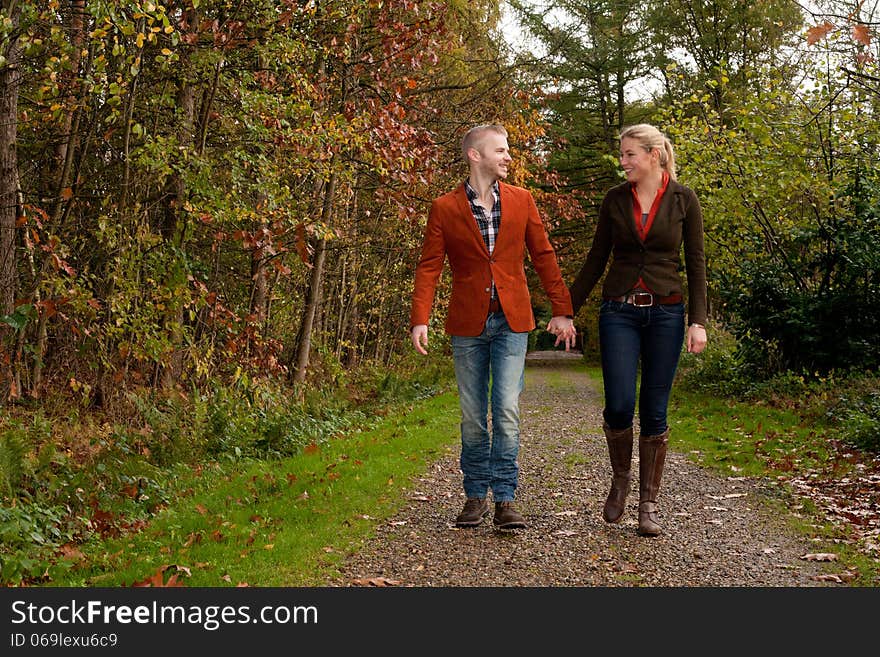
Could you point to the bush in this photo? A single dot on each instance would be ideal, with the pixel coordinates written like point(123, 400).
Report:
point(810, 304)
point(857, 414)
point(720, 369)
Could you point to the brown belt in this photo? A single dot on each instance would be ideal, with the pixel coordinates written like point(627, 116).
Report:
point(645, 299)
point(494, 306)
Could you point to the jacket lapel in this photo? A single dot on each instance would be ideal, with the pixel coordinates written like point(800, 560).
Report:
point(508, 214)
point(466, 215)
point(670, 205)
point(625, 207)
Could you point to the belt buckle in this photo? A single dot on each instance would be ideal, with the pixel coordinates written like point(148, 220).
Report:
point(636, 296)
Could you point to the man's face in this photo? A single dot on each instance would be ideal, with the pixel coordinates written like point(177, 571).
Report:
point(494, 155)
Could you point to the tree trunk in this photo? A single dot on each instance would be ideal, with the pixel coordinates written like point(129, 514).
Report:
point(9, 84)
point(174, 228)
point(70, 85)
point(259, 275)
point(65, 152)
point(304, 339)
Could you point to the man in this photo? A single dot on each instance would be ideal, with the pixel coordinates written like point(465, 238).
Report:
point(483, 227)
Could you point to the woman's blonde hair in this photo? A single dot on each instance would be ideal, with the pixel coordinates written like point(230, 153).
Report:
point(650, 138)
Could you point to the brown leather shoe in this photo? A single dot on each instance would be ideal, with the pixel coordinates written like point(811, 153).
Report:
point(475, 509)
point(506, 517)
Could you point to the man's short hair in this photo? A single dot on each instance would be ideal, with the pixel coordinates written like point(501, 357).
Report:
point(473, 136)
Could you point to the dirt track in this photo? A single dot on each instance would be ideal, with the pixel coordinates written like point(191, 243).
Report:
point(718, 531)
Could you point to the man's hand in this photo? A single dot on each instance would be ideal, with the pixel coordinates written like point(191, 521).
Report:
point(564, 330)
point(419, 335)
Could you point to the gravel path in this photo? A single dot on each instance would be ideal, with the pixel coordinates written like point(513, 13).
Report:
point(718, 531)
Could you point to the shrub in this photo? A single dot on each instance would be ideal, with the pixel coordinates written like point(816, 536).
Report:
point(857, 414)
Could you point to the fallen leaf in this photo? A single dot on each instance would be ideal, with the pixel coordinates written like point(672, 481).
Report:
point(565, 532)
point(566, 513)
point(201, 510)
point(828, 578)
point(157, 579)
point(820, 556)
point(69, 551)
point(375, 581)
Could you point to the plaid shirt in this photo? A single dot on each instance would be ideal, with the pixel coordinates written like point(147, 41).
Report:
point(488, 225)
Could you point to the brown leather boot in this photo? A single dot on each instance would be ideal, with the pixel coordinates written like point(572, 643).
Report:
point(620, 446)
point(475, 509)
point(507, 517)
point(652, 457)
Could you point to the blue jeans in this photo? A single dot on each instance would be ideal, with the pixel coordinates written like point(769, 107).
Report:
point(629, 334)
point(500, 354)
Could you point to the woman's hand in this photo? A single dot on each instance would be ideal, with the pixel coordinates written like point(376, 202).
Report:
point(696, 338)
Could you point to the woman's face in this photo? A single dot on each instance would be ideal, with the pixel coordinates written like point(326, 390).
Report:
point(637, 163)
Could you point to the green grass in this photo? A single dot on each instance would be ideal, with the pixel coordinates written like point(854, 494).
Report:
point(746, 438)
point(288, 522)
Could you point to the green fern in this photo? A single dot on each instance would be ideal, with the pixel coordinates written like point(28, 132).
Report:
point(13, 460)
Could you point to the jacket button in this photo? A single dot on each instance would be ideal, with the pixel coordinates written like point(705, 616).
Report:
point(487, 289)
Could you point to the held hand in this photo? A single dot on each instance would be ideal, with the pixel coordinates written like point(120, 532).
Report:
point(564, 330)
point(419, 335)
point(567, 338)
point(696, 339)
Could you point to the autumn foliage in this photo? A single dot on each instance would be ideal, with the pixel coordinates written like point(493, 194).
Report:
point(207, 188)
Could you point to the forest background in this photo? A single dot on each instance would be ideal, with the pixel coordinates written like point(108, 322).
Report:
point(211, 210)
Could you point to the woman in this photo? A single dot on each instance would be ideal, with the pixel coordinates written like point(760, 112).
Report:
point(643, 223)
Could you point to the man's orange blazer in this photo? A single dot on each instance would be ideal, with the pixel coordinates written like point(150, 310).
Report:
point(452, 232)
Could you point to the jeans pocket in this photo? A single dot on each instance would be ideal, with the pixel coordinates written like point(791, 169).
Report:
point(609, 307)
point(672, 309)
